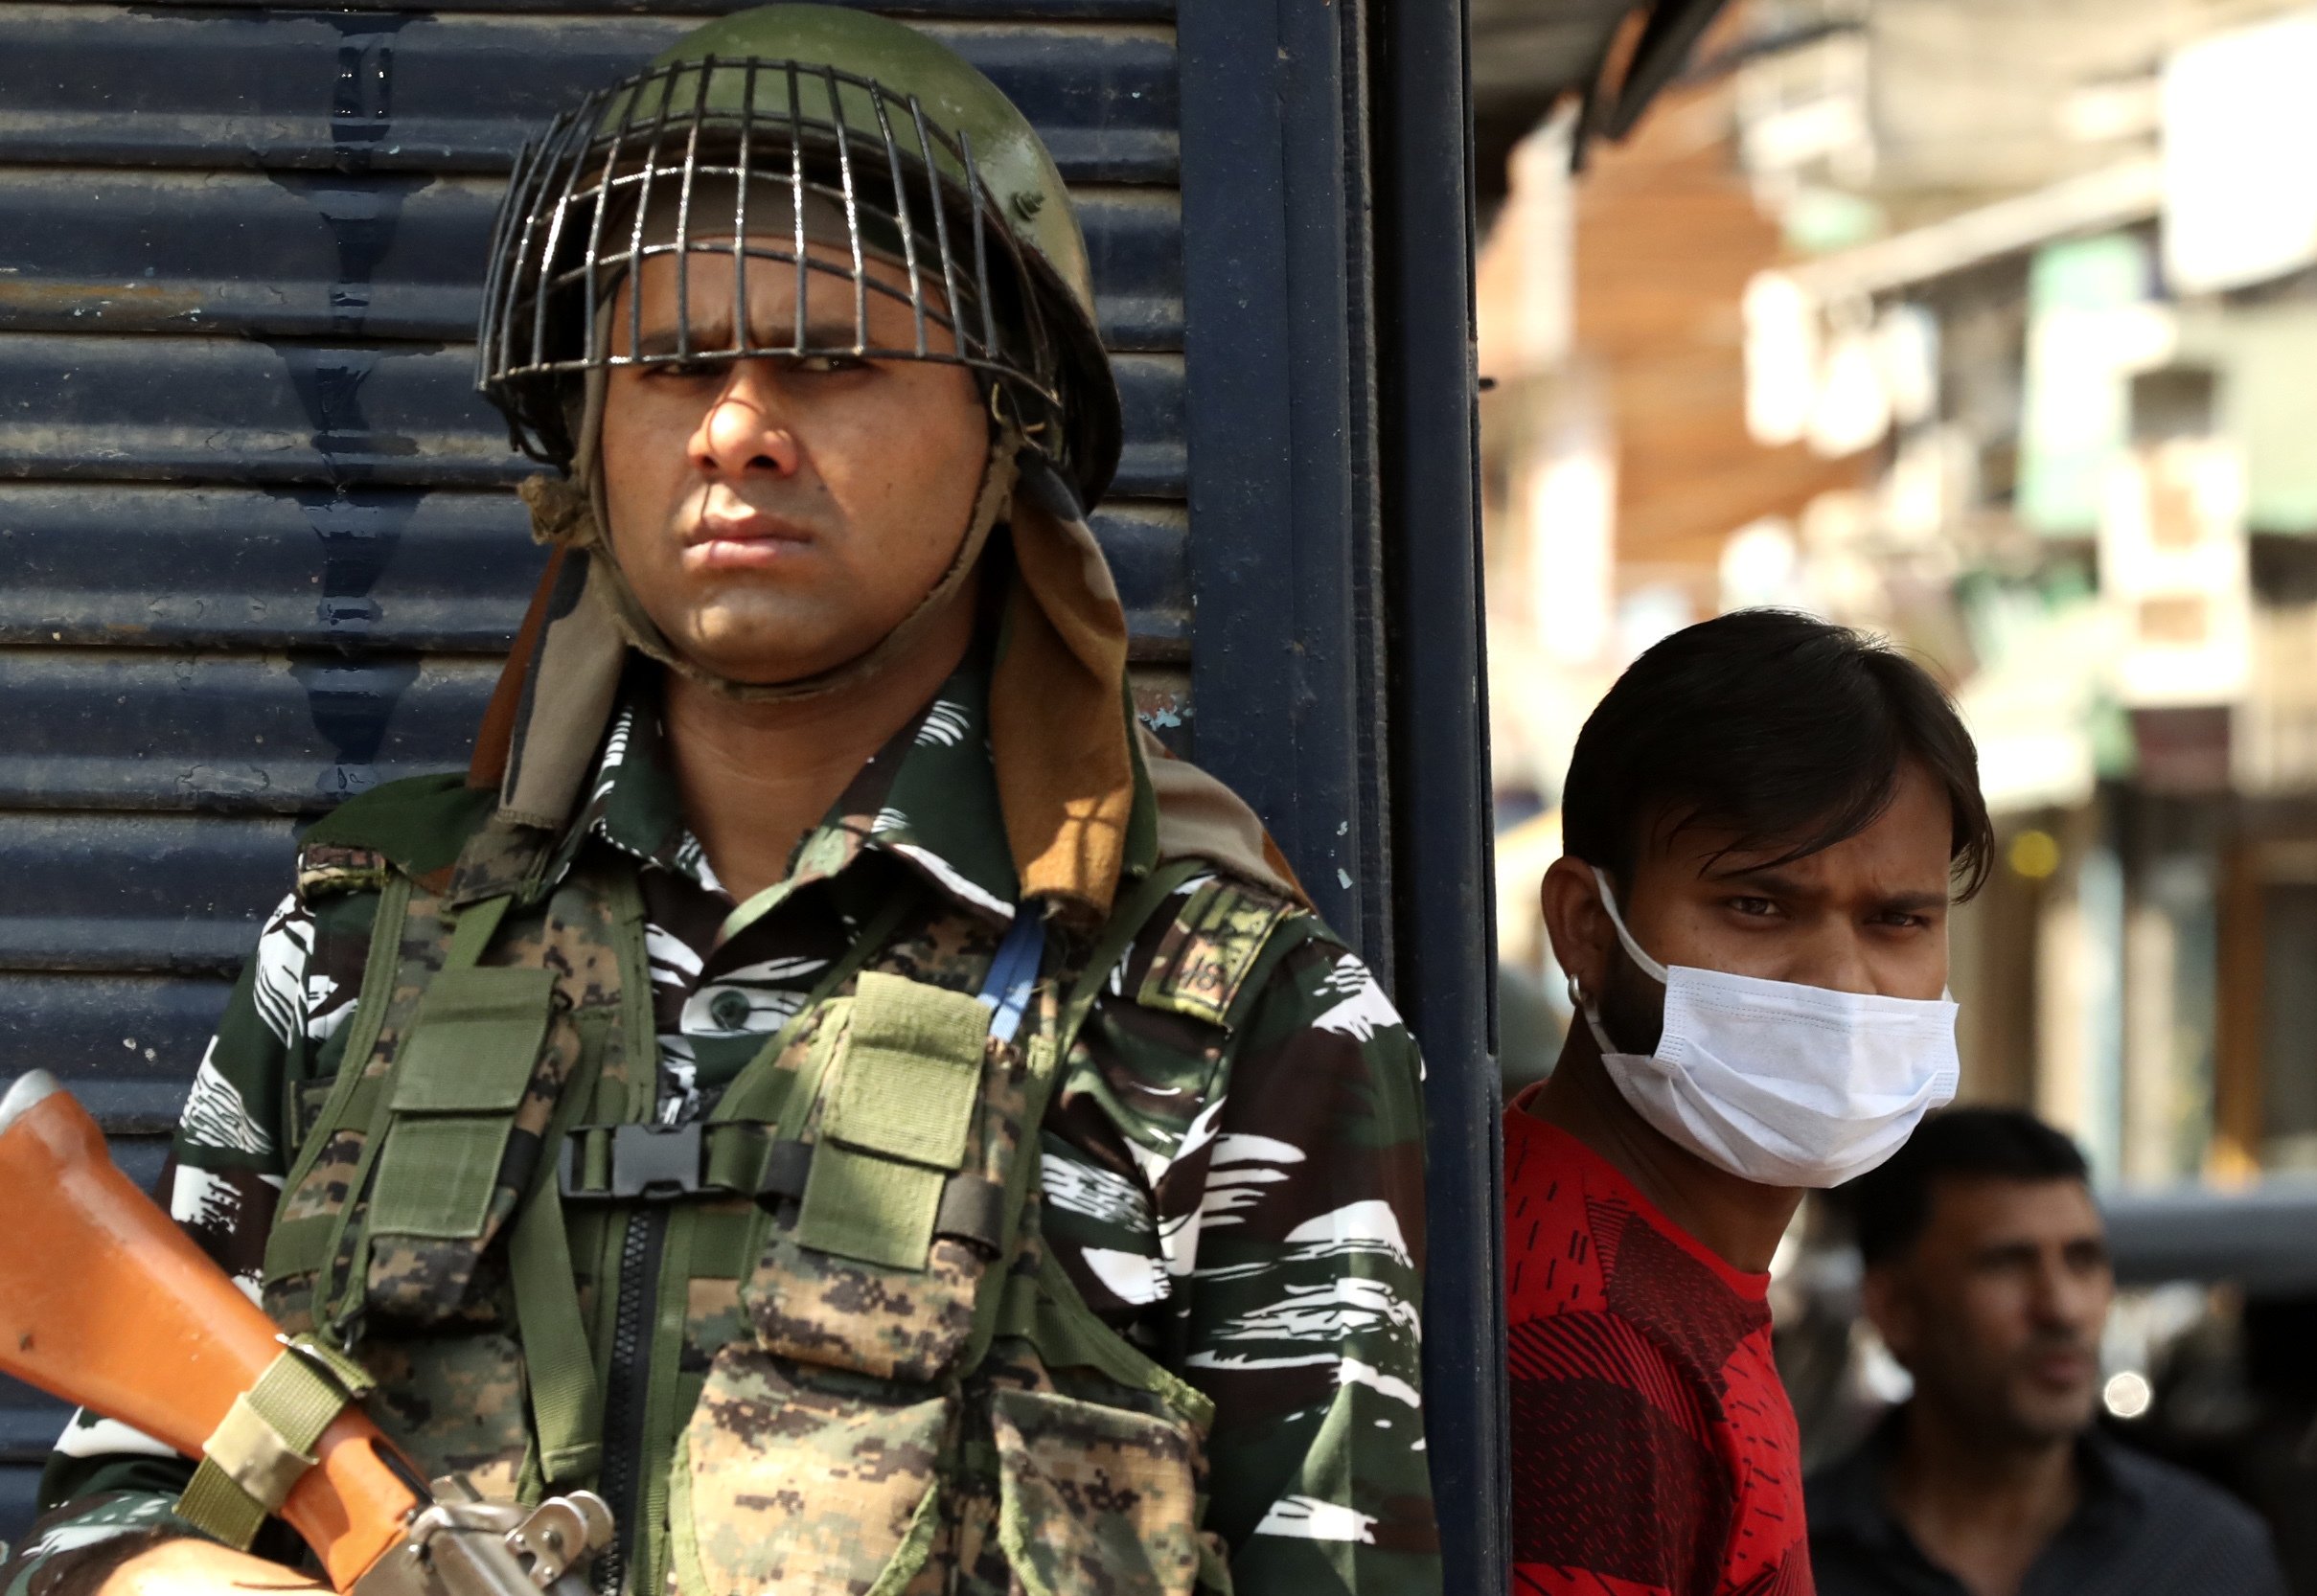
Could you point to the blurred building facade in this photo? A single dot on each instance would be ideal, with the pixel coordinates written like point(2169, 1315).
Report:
point(1991, 326)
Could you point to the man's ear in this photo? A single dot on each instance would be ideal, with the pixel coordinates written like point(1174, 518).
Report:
point(1576, 922)
point(1889, 1308)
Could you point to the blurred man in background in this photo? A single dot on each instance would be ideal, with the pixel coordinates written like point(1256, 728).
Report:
point(1988, 1275)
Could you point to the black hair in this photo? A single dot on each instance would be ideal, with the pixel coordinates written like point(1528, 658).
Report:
point(1788, 729)
point(1889, 1205)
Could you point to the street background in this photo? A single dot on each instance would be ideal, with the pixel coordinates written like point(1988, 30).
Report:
point(1989, 324)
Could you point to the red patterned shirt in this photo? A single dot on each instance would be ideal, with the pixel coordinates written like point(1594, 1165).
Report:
point(1654, 1452)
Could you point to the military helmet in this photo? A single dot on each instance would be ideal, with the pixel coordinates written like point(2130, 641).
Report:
point(852, 153)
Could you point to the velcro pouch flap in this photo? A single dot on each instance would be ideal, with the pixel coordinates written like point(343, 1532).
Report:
point(473, 1045)
point(473, 1042)
point(435, 1177)
point(911, 1076)
point(859, 1205)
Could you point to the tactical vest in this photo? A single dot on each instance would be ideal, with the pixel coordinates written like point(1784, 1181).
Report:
point(812, 1344)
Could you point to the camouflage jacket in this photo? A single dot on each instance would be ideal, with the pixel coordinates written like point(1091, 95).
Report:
point(1245, 1208)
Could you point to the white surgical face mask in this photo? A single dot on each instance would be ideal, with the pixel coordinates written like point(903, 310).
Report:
point(1780, 1083)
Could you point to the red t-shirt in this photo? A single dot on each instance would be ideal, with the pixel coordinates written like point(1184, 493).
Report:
point(1653, 1448)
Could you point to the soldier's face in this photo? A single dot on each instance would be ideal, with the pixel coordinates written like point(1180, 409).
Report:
point(777, 518)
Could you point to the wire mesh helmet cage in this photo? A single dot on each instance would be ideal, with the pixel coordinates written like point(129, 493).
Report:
point(680, 162)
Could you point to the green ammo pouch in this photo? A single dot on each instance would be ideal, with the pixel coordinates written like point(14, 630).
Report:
point(461, 1079)
point(898, 1121)
point(451, 1102)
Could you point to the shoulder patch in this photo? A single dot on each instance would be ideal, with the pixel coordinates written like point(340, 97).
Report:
point(328, 868)
point(1206, 955)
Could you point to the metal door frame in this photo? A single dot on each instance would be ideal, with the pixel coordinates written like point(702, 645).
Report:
point(1338, 682)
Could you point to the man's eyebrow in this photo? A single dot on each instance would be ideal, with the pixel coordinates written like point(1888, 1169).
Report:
point(705, 338)
point(1909, 902)
point(1778, 881)
point(1769, 878)
point(821, 332)
point(829, 332)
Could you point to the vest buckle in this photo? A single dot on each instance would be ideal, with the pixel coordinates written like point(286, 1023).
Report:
point(648, 1163)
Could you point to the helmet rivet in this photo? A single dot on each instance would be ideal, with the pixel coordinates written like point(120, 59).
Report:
point(1028, 203)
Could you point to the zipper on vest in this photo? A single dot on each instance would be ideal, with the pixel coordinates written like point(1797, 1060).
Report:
point(627, 1388)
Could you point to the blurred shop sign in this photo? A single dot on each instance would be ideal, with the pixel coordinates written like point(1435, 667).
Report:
point(1539, 224)
point(1523, 853)
point(2034, 704)
point(1569, 492)
point(1835, 356)
point(2091, 322)
point(1834, 374)
point(2172, 552)
point(2240, 122)
point(2266, 348)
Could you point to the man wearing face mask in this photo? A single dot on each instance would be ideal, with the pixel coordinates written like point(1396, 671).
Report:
point(823, 1079)
point(1766, 820)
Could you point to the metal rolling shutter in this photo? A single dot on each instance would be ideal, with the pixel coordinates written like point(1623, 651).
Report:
point(256, 546)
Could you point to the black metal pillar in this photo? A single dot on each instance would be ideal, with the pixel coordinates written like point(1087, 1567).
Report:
point(1280, 551)
point(1441, 868)
point(1326, 154)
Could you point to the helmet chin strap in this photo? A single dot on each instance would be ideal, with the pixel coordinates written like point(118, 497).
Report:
point(588, 527)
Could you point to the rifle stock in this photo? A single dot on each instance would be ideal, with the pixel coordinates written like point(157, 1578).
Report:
point(106, 1303)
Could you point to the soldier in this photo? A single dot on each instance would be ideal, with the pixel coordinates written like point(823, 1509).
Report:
point(824, 1077)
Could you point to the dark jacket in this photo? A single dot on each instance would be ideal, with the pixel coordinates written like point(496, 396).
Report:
point(2143, 1528)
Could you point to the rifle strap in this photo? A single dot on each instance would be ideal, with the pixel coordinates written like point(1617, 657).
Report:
point(264, 1444)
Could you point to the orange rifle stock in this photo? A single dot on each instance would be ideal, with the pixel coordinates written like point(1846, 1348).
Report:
point(106, 1303)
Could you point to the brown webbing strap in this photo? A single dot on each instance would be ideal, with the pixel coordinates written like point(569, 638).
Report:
point(494, 738)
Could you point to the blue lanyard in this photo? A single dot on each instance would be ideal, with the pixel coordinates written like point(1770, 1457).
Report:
point(1014, 972)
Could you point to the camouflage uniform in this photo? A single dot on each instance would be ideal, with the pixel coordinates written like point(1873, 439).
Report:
point(1241, 1201)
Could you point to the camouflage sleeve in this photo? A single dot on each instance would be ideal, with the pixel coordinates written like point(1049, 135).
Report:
point(107, 1490)
point(1294, 1213)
